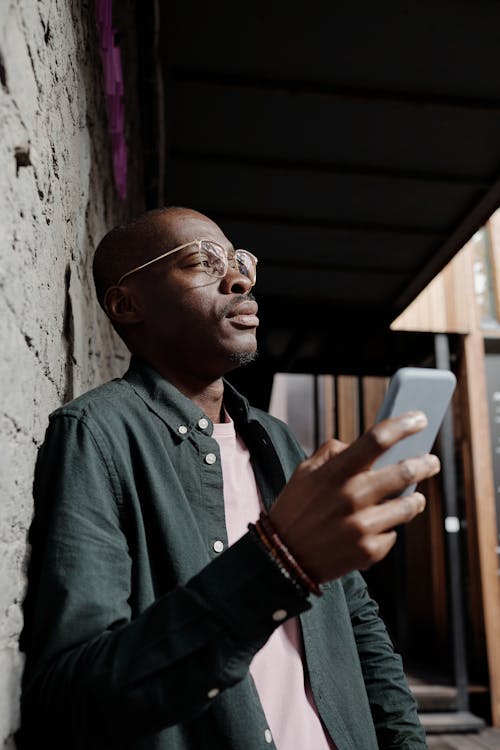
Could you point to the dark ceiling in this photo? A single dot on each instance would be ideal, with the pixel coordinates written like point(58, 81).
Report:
point(353, 146)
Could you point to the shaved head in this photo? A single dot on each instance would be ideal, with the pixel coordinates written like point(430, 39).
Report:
point(127, 246)
point(175, 314)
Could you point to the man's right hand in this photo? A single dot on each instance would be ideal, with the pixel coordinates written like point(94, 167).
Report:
point(334, 514)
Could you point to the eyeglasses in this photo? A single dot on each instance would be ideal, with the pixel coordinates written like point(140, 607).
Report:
point(214, 260)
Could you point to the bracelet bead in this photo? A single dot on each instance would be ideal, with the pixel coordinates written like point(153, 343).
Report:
point(271, 540)
point(264, 543)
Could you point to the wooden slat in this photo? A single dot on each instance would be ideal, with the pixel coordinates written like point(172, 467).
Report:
point(450, 721)
point(447, 304)
point(347, 408)
point(453, 742)
point(480, 500)
point(434, 515)
point(373, 393)
point(425, 565)
point(487, 739)
point(328, 415)
point(494, 229)
point(476, 645)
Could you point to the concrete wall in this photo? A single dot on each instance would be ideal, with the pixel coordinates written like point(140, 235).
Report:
point(57, 199)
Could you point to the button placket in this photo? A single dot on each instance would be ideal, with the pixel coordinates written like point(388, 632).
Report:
point(214, 524)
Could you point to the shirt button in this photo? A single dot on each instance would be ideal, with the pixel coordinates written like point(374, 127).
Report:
point(218, 545)
point(182, 429)
point(210, 458)
point(268, 736)
point(280, 615)
point(213, 693)
point(203, 423)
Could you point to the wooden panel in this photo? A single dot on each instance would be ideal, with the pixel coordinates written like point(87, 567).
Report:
point(480, 501)
point(426, 585)
point(347, 408)
point(326, 383)
point(494, 227)
point(488, 739)
point(476, 645)
point(373, 393)
point(437, 551)
point(448, 303)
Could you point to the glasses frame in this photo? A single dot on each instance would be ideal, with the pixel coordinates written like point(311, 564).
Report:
point(188, 244)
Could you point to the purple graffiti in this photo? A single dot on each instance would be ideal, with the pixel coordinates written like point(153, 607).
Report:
point(113, 90)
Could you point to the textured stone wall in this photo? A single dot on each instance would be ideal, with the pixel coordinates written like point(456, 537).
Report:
point(57, 199)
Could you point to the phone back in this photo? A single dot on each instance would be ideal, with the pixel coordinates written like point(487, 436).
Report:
point(416, 389)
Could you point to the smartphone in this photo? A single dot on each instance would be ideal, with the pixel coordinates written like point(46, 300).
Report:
point(416, 389)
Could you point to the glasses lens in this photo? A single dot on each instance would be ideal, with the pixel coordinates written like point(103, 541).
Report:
point(246, 264)
point(214, 258)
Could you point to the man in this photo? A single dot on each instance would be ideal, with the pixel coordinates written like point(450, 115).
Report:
point(154, 617)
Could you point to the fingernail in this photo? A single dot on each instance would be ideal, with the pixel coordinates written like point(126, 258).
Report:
point(434, 461)
point(415, 419)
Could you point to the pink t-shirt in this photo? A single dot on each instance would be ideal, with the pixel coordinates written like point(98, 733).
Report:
point(277, 669)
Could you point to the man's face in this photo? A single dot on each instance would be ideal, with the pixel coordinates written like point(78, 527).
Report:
point(202, 324)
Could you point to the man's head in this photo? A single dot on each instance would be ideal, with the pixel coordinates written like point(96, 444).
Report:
point(171, 311)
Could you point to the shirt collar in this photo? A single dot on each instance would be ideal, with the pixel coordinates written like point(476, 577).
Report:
point(178, 412)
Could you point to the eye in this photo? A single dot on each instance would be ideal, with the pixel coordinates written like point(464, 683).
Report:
point(243, 269)
point(204, 260)
point(196, 260)
point(244, 263)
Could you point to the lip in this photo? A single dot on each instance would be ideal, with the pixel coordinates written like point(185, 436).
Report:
point(244, 314)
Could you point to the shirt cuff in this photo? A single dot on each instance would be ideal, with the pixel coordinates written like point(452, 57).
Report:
point(247, 589)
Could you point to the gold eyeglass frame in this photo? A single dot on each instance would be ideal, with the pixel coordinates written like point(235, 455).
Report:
point(187, 244)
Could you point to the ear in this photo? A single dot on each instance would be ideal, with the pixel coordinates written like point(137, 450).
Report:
point(122, 306)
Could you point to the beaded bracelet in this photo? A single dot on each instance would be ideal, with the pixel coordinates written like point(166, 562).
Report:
point(271, 539)
point(262, 541)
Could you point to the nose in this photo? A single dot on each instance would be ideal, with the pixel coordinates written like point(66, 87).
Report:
point(235, 282)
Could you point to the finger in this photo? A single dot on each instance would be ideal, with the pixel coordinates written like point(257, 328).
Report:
point(361, 454)
point(374, 486)
point(325, 453)
point(377, 548)
point(379, 519)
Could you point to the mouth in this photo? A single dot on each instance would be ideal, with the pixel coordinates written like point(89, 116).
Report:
point(244, 314)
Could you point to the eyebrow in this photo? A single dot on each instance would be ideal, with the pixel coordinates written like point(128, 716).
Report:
point(186, 253)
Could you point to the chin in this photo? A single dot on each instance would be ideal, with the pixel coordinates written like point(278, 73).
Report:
point(239, 359)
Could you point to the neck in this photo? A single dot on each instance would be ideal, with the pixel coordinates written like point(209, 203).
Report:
point(206, 393)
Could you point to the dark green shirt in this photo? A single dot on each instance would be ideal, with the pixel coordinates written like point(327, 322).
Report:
point(132, 619)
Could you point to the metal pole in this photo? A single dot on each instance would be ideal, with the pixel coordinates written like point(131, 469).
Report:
point(452, 529)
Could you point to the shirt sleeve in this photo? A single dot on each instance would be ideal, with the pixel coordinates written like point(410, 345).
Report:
point(91, 669)
point(393, 707)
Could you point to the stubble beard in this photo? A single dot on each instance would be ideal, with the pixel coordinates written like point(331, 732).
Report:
point(243, 358)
